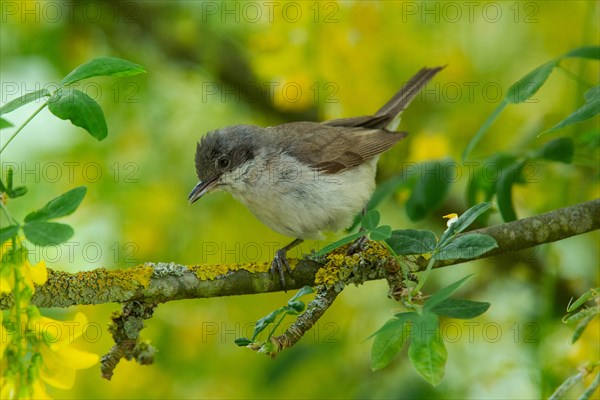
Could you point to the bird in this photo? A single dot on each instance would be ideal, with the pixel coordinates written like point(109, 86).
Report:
point(303, 178)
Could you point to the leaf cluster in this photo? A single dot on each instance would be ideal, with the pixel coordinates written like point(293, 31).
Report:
point(426, 351)
point(69, 104)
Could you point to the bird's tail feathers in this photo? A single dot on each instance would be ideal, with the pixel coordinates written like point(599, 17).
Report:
point(388, 115)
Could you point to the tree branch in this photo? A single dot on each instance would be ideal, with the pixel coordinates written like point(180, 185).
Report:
point(305, 321)
point(161, 282)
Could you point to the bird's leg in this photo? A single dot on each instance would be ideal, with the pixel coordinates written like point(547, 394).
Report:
point(280, 262)
point(359, 244)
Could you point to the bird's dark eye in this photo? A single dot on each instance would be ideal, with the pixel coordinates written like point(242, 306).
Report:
point(223, 162)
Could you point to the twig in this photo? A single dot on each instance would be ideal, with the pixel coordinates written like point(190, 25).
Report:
point(314, 310)
point(125, 330)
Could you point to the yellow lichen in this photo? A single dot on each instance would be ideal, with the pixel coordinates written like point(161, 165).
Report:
point(213, 271)
point(341, 267)
point(141, 274)
point(128, 279)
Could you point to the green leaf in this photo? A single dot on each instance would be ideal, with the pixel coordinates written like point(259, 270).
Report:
point(583, 324)
point(527, 86)
point(43, 233)
point(18, 192)
point(585, 112)
point(81, 110)
point(584, 298)
point(592, 94)
point(381, 233)
point(4, 123)
point(443, 294)
point(332, 246)
point(389, 340)
point(295, 307)
point(561, 149)
point(430, 190)
point(9, 179)
point(482, 186)
point(464, 221)
point(103, 66)
point(579, 315)
point(302, 292)
point(483, 129)
point(264, 322)
point(459, 308)
point(412, 241)
point(466, 247)
point(21, 101)
point(60, 206)
point(243, 342)
point(592, 52)
point(8, 232)
point(405, 316)
point(508, 178)
point(371, 220)
point(12, 193)
point(427, 351)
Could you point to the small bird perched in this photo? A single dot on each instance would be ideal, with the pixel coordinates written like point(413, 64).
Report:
point(302, 178)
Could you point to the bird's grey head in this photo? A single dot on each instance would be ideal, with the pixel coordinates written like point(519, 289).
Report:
point(222, 151)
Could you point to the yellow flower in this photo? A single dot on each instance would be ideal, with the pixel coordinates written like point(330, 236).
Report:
point(60, 359)
point(17, 258)
point(3, 340)
point(7, 387)
point(6, 272)
point(32, 274)
point(451, 219)
point(4, 247)
point(6, 280)
point(37, 273)
point(38, 390)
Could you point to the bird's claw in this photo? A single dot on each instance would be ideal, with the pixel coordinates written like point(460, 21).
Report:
point(357, 246)
point(280, 265)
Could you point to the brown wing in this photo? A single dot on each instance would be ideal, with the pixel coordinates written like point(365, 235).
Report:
point(336, 145)
point(332, 149)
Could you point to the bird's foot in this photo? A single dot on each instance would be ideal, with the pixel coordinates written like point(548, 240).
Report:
point(357, 246)
point(280, 265)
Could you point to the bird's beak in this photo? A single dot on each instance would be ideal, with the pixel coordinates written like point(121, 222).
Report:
point(201, 189)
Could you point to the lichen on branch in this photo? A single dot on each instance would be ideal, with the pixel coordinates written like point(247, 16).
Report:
point(162, 282)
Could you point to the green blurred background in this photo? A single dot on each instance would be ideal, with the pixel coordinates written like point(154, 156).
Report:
point(212, 64)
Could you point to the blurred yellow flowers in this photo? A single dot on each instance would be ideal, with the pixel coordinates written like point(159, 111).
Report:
point(31, 274)
point(35, 351)
point(60, 359)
